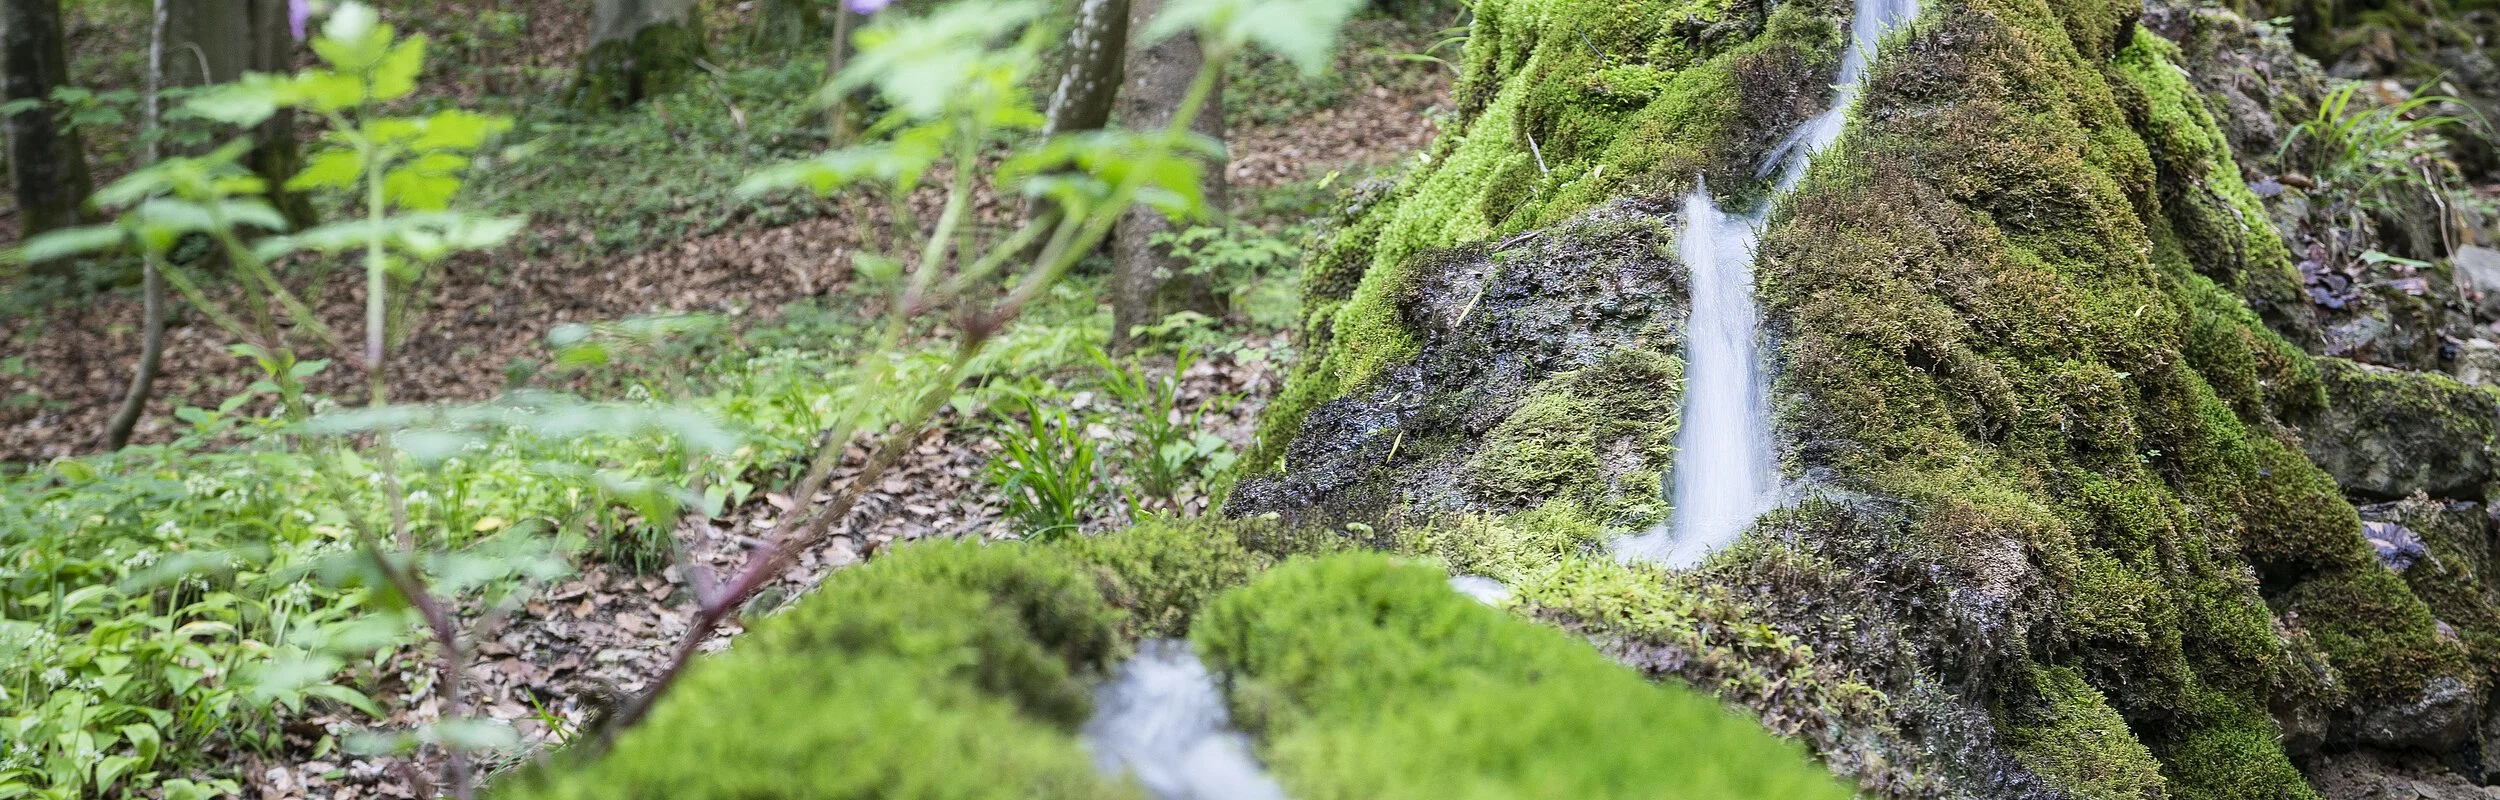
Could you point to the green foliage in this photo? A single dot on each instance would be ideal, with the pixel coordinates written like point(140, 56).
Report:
point(2376, 153)
point(1049, 470)
point(943, 670)
point(1171, 454)
point(1367, 678)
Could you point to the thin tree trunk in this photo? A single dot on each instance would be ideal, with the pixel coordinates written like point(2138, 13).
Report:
point(47, 165)
point(151, 359)
point(1148, 282)
point(837, 58)
point(1096, 49)
point(152, 287)
point(275, 155)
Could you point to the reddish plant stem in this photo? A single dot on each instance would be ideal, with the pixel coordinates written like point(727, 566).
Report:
point(446, 633)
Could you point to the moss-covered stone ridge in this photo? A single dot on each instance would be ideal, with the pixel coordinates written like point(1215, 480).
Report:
point(2029, 324)
point(1369, 678)
point(953, 669)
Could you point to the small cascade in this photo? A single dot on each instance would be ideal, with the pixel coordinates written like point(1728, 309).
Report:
point(1162, 720)
point(1484, 590)
point(1726, 473)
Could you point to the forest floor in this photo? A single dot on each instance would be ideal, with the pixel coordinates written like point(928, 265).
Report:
point(546, 667)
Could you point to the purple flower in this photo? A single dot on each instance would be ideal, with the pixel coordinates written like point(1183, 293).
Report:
point(298, 12)
point(866, 6)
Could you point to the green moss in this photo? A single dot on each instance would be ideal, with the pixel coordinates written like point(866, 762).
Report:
point(2078, 742)
point(1515, 549)
point(1598, 436)
point(1161, 571)
point(1365, 678)
point(943, 670)
point(2379, 637)
point(2229, 750)
point(1566, 104)
point(1544, 449)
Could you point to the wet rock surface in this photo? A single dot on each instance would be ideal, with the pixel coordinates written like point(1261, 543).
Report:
point(1497, 321)
point(2387, 433)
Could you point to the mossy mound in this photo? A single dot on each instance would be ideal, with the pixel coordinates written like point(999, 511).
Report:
point(1367, 678)
point(941, 670)
point(2039, 360)
point(944, 670)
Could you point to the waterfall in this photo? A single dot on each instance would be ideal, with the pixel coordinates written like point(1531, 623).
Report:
point(1726, 473)
point(1162, 720)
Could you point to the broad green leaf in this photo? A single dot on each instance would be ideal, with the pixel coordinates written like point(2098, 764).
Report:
point(335, 168)
point(1300, 31)
point(459, 130)
point(922, 64)
point(346, 696)
point(874, 268)
point(354, 38)
point(892, 163)
point(396, 75)
point(110, 769)
point(426, 183)
point(144, 740)
point(56, 245)
point(244, 102)
point(329, 91)
point(254, 212)
point(480, 233)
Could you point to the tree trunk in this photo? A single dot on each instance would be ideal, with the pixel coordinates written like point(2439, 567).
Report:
point(152, 288)
point(47, 166)
point(639, 48)
point(210, 42)
point(1148, 282)
point(1096, 50)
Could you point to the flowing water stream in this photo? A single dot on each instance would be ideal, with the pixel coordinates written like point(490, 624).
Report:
point(1162, 719)
point(1726, 473)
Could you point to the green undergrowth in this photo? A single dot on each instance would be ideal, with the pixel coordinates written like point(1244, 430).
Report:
point(663, 169)
point(171, 599)
point(1368, 678)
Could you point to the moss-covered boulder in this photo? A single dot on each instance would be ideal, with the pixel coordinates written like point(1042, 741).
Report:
point(952, 670)
point(1367, 678)
point(2387, 433)
point(2045, 374)
point(944, 670)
